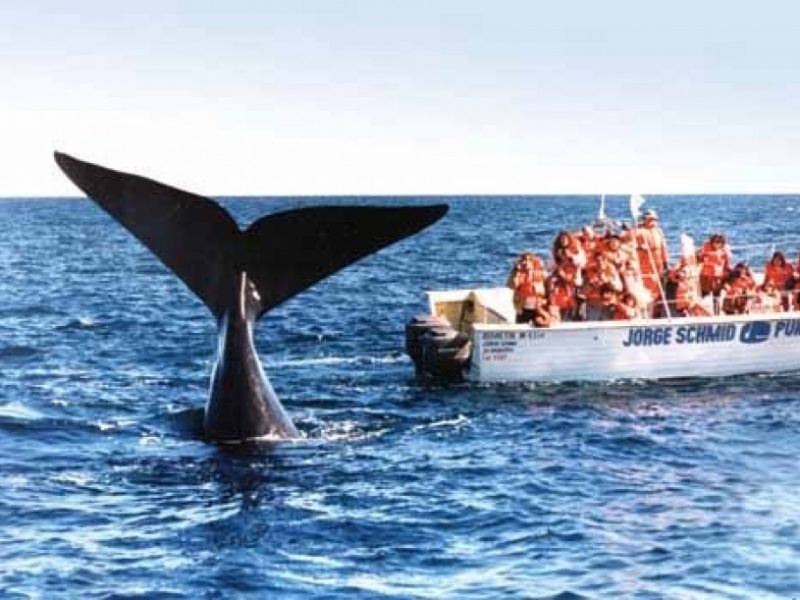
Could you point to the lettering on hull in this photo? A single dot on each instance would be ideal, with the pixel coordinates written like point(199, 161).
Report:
point(498, 345)
point(755, 332)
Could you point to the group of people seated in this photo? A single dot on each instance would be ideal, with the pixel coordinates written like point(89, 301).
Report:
point(608, 272)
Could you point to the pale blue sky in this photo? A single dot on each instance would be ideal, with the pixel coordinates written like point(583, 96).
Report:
point(405, 97)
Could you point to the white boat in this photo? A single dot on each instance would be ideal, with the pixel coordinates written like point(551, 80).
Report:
point(472, 333)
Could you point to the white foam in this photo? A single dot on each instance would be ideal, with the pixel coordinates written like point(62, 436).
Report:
point(17, 410)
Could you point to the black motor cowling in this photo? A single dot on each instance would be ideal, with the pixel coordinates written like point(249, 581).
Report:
point(438, 350)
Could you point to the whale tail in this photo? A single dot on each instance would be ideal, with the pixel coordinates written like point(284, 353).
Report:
point(282, 254)
point(240, 275)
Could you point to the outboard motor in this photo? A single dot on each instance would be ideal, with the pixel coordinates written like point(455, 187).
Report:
point(438, 350)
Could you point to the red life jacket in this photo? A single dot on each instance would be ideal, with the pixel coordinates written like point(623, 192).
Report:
point(562, 294)
point(778, 274)
point(716, 262)
point(651, 249)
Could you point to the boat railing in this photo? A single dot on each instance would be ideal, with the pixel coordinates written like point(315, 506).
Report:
point(752, 303)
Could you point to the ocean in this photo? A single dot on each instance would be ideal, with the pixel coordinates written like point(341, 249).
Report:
point(398, 489)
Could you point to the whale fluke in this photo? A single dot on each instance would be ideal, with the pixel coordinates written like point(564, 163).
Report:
point(241, 275)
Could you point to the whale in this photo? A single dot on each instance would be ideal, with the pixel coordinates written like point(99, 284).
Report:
point(242, 274)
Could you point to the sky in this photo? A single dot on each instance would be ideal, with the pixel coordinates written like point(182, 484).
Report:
point(339, 97)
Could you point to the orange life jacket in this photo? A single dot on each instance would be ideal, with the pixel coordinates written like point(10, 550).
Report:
point(538, 275)
point(740, 286)
point(716, 262)
point(623, 312)
point(592, 283)
point(778, 274)
point(525, 295)
point(651, 249)
point(573, 254)
point(562, 293)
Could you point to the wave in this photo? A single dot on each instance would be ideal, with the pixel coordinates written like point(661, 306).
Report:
point(77, 324)
point(349, 431)
point(18, 410)
point(454, 423)
point(338, 360)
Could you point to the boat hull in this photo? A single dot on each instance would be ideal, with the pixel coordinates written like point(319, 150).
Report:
point(646, 349)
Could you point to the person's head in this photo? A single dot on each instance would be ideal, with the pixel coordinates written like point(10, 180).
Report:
point(717, 240)
point(650, 218)
point(678, 274)
point(628, 299)
point(563, 239)
point(607, 292)
point(535, 262)
point(613, 241)
point(778, 259)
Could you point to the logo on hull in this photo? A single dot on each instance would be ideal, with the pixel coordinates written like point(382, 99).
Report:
point(755, 332)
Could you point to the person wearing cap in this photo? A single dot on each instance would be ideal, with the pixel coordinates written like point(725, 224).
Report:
point(652, 252)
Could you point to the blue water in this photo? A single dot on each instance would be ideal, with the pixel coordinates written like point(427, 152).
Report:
point(685, 489)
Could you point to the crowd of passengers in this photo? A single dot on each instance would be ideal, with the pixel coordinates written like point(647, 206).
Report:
point(618, 273)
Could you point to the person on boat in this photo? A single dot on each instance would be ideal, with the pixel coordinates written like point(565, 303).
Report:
point(779, 270)
point(797, 266)
point(528, 284)
point(687, 300)
point(626, 307)
point(588, 240)
point(714, 259)
point(523, 261)
point(609, 272)
point(538, 314)
point(738, 289)
point(596, 276)
point(562, 293)
point(568, 252)
point(793, 293)
point(632, 282)
point(546, 314)
point(538, 273)
point(628, 244)
point(781, 273)
point(608, 303)
point(515, 267)
point(613, 250)
point(652, 254)
point(767, 298)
